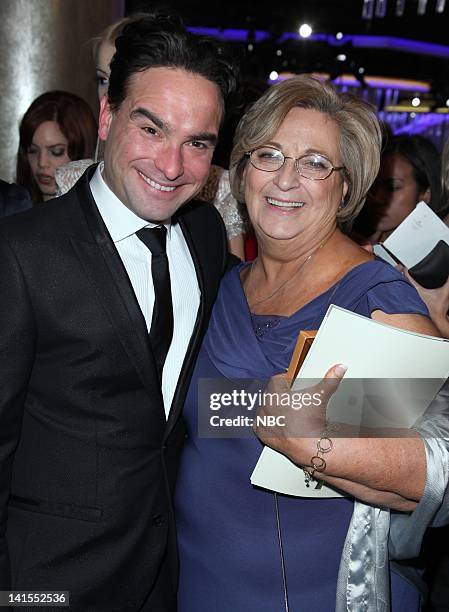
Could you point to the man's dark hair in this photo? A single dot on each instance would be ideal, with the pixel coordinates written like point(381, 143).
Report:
point(161, 41)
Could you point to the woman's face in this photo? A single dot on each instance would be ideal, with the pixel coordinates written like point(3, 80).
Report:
point(47, 151)
point(394, 194)
point(105, 53)
point(283, 204)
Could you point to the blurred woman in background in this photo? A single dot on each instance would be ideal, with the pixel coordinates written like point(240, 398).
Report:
point(409, 172)
point(437, 300)
point(104, 49)
point(57, 128)
point(445, 181)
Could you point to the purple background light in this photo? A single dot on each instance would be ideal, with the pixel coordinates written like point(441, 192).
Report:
point(357, 40)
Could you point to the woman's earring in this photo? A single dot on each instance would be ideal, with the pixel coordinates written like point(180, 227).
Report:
point(426, 197)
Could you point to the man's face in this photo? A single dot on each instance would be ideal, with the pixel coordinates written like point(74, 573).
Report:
point(159, 143)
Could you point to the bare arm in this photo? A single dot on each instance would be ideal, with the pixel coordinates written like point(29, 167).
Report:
point(236, 246)
point(437, 301)
point(411, 322)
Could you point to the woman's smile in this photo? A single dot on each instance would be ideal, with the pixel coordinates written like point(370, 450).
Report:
point(285, 204)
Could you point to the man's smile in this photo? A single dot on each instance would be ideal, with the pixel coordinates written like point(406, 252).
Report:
point(154, 184)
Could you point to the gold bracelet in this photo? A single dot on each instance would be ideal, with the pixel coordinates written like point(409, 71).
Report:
point(324, 445)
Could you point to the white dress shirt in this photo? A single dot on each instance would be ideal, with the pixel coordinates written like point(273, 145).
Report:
point(122, 225)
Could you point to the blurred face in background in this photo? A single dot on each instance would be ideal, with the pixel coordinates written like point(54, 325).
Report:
point(48, 150)
point(105, 53)
point(394, 194)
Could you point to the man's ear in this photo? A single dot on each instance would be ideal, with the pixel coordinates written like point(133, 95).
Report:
point(105, 118)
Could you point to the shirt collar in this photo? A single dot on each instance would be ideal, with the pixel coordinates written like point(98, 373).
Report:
point(120, 221)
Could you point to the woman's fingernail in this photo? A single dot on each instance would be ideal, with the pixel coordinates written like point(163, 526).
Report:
point(340, 369)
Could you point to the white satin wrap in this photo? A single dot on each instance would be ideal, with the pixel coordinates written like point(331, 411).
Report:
point(376, 536)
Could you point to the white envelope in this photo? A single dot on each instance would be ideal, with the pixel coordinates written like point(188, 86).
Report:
point(416, 236)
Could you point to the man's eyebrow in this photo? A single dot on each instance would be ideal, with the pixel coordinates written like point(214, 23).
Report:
point(143, 112)
point(207, 136)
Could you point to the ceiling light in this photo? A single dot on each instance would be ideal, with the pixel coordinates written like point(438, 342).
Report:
point(305, 30)
point(274, 75)
point(416, 101)
point(339, 35)
point(406, 108)
point(279, 52)
point(341, 57)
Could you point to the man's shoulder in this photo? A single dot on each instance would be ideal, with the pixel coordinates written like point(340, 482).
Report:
point(201, 217)
point(13, 199)
point(205, 232)
point(203, 222)
point(47, 218)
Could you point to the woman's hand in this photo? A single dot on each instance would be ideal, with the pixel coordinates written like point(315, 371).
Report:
point(302, 419)
point(437, 301)
point(385, 471)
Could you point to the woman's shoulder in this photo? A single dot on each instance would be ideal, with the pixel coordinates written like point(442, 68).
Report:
point(355, 268)
point(380, 286)
point(231, 291)
point(373, 271)
point(232, 276)
point(67, 175)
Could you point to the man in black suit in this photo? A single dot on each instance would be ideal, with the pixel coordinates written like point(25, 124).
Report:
point(90, 404)
point(13, 199)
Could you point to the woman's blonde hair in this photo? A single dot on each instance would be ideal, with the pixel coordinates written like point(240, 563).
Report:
point(360, 142)
point(110, 34)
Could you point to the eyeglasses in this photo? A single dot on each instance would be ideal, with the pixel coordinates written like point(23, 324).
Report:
point(313, 166)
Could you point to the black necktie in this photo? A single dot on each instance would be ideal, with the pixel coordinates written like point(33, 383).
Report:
point(161, 331)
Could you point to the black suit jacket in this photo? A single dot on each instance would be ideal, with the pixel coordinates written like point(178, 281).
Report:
point(87, 457)
point(13, 199)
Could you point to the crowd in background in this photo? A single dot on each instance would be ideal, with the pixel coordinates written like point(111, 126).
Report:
point(59, 127)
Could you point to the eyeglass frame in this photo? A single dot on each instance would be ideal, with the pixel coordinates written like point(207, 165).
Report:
point(295, 160)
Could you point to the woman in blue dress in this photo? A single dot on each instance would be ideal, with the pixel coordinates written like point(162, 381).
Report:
point(304, 158)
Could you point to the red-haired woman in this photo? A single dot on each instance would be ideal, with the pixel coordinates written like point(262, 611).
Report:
point(57, 128)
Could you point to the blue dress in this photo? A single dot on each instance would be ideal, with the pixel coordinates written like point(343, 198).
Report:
point(228, 543)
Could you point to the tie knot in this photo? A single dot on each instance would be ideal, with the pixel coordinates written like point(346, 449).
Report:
point(154, 238)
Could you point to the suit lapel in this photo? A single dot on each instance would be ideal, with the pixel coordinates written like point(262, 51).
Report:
point(105, 269)
point(177, 402)
point(209, 264)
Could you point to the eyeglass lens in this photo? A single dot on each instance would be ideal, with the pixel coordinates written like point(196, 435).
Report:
point(309, 166)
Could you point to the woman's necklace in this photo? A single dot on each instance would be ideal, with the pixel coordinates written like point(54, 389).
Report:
point(301, 266)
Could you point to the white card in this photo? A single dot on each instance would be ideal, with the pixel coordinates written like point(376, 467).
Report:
point(401, 371)
point(417, 235)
